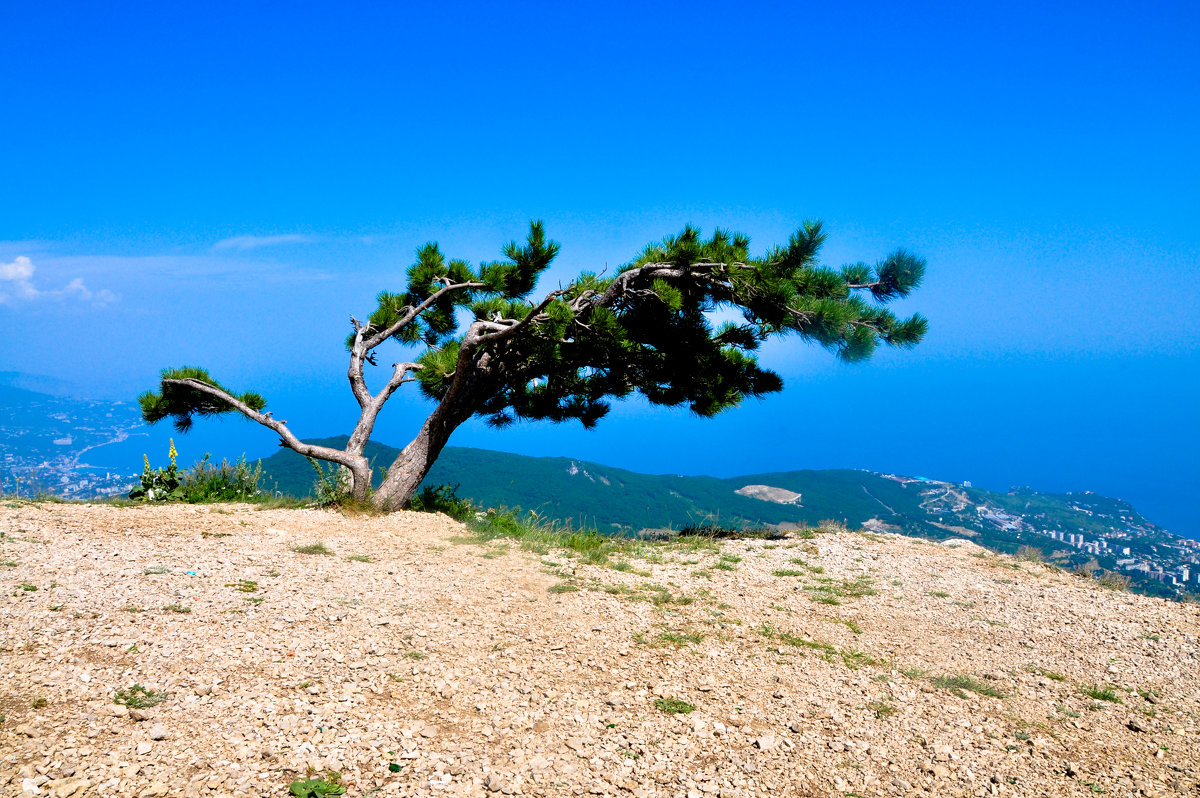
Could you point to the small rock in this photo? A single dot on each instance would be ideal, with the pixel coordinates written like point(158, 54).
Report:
point(1136, 725)
point(1072, 769)
point(940, 772)
point(203, 689)
point(155, 790)
point(65, 788)
point(26, 772)
point(767, 742)
point(144, 748)
point(495, 783)
point(797, 726)
point(139, 715)
point(429, 731)
point(942, 752)
point(29, 787)
point(25, 730)
point(159, 732)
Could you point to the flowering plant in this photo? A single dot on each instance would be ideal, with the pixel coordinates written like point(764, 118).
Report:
point(161, 484)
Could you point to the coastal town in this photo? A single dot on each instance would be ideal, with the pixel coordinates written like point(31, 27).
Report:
point(45, 441)
point(1081, 529)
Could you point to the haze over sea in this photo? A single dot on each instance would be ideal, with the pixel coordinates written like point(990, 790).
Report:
point(226, 189)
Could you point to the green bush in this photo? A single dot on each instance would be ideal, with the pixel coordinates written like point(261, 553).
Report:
point(442, 499)
point(227, 482)
point(202, 483)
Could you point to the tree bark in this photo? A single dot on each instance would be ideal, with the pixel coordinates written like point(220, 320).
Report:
point(409, 470)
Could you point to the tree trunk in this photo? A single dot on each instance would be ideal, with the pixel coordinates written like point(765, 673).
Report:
point(406, 474)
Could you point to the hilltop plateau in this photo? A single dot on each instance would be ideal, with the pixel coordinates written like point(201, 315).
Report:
point(231, 651)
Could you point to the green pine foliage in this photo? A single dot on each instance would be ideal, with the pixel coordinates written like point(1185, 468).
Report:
point(181, 403)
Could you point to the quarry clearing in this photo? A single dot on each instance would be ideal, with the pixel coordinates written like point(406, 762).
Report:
point(413, 661)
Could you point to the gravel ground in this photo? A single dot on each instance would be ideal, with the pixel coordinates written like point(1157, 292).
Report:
point(414, 662)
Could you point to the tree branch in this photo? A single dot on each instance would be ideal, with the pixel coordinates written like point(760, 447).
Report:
point(413, 312)
point(287, 437)
point(502, 331)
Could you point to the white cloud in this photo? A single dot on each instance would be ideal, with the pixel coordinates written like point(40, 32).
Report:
point(16, 285)
point(242, 243)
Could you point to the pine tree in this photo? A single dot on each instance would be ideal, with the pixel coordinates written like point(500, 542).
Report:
point(647, 329)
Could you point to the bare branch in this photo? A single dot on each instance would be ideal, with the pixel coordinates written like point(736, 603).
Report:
point(287, 437)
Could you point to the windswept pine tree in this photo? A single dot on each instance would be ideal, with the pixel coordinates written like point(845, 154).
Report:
point(567, 354)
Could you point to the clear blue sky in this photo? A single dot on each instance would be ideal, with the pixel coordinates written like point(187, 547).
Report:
point(224, 184)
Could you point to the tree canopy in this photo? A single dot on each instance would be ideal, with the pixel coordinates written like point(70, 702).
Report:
point(484, 347)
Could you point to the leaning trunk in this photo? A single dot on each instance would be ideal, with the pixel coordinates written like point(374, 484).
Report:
point(407, 473)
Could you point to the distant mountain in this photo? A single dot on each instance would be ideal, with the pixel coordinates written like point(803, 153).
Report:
point(1072, 528)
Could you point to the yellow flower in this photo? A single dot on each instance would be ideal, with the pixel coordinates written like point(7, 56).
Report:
point(172, 453)
point(146, 458)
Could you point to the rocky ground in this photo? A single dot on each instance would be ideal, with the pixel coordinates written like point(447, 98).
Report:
point(414, 662)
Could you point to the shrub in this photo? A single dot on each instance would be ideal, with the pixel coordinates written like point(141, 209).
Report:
point(226, 482)
point(1030, 554)
point(442, 499)
point(202, 483)
point(718, 532)
point(328, 489)
point(1113, 580)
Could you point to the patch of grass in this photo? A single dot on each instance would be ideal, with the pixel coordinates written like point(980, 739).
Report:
point(255, 599)
point(849, 624)
point(243, 585)
point(177, 608)
point(958, 684)
point(414, 654)
point(29, 588)
point(673, 706)
point(1150, 636)
point(1053, 676)
point(787, 572)
point(882, 708)
point(1060, 709)
point(937, 593)
point(132, 608)
point(826, 589)
point(215, 534)
point(359, 557)
point(158, 569)
point(39, 702)
point(1105, 693)
point(851, 658)
point(137, 697)
point(10, 563)
point(562, 587)
point(304, 685)
point(679, 639)
point(313, 548)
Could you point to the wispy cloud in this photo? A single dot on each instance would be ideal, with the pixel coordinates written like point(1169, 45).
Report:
point(16, 285)
point(243, 243)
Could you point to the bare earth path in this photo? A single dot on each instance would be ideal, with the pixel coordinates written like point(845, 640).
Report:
point(443, 667)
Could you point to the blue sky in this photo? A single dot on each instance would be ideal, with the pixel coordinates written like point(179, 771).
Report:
point(224, 185)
